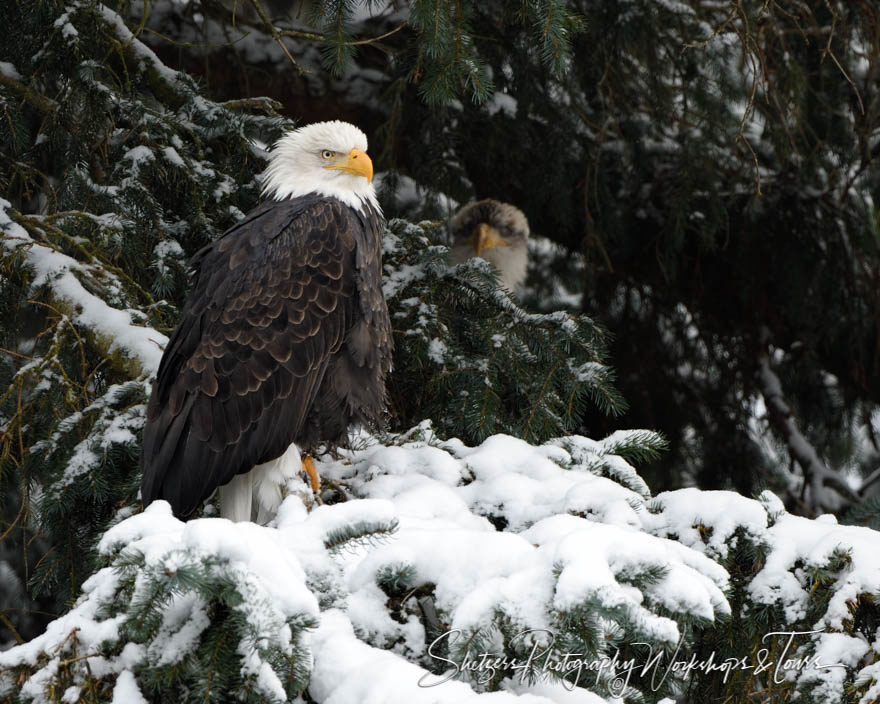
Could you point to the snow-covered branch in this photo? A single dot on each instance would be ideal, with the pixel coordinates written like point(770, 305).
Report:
point(514, 546)
point(816, 472)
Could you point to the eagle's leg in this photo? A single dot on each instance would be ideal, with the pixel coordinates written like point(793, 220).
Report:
point(309, 467)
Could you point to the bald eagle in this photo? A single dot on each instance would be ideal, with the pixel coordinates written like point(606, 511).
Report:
point(497, 232)
point(284, 340)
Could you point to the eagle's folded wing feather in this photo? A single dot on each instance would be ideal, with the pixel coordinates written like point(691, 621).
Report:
point(273, 299)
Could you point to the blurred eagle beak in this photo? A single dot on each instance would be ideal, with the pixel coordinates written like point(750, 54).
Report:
point(358, 163)
point(485, 237)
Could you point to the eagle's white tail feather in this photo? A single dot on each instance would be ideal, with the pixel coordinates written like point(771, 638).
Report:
point(236, 496)
point(259, 491)
point(270, 477)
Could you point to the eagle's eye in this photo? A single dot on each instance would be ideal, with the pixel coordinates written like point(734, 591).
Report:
point(327, 154)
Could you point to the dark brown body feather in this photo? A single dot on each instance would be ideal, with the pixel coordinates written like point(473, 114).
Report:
point(284, 338)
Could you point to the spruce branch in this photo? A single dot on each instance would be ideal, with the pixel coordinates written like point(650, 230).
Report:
point(359, 534)
point(636, 446)
point(31, 96)
point(41, 225)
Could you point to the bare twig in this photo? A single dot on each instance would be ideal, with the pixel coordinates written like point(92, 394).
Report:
point(15, 634)
point(752, 55)
point(196, 45)
point(276, 35)
point(828, 52)
point(373, 40)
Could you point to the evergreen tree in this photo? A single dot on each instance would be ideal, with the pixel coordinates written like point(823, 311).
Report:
point(555, 566)
point(469, 358)
point(115, 169)
point(714, 163)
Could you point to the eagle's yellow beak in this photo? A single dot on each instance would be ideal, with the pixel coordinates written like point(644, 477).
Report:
point(358, 163)
point(486, 237)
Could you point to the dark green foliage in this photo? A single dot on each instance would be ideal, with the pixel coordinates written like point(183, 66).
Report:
point(737, 637)
point(187, 622)
point(210, 669)
point(866, 514)
point(743, 635)
point(468, 357)
point(617, 127)
point(636, 447)
point(638, 158)
point(715, 163)
point(446, 62)
point(114, 169)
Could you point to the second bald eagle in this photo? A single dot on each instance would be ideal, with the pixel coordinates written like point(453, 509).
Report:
point(497, 232)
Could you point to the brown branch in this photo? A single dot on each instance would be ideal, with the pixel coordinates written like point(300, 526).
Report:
point(755, 59)
point(266, 105)
point(276, 35)
point(37, 100)
point(828, 52)
point(300, 34)
point(372, 40)
point(196, 45)
point(15, 634)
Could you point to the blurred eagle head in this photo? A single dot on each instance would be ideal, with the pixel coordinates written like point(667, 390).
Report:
point(497, 232)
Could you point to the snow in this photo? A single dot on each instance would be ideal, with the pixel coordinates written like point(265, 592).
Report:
point(681, 513)
point(348, 670)
point(523, 486)
point(835, 654)
point(400, 278)
point(126, 690)
point(182, 625)
point(68, 31)
point(502, 530)
point(172, 156)
point(140, 155)
point(502, 102)
point(448, 490)
point(163, 252)
point(437, 350)
point(267, 569)
point(558, 693)
point(138, 47)
point(7, 69)
point(71, 695)
point(799, 543)
point(60, 272)
point(708, 521)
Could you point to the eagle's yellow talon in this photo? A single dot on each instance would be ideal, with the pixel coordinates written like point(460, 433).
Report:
point(309, 468)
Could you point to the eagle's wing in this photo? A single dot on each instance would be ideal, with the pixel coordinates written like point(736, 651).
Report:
point(272, 302)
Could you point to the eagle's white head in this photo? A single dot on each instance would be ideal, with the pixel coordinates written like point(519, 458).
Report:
point(329, 158)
